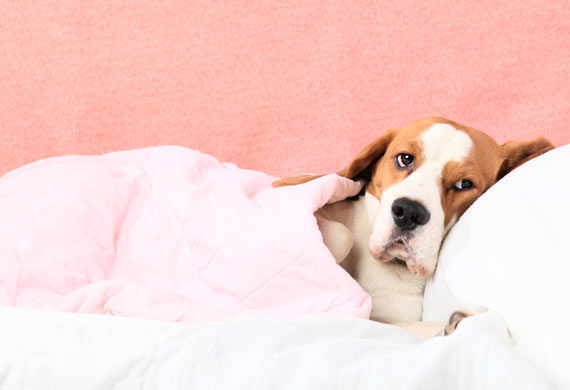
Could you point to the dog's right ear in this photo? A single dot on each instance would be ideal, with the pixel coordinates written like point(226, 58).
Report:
point(360, 165)
point(358, 168)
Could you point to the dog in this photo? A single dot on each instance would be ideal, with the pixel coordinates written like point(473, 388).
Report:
point(418, 181)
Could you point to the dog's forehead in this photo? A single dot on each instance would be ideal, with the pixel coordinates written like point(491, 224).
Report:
point(443, 143)
point(439, 142)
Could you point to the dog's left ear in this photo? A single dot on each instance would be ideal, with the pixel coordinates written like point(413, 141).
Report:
point(358, 168)
point(517, 153)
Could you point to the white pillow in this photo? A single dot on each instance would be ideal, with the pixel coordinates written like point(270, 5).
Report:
point(510, 252)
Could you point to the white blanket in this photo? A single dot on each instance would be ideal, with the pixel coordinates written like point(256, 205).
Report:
point(510, 252)
point(54, 350)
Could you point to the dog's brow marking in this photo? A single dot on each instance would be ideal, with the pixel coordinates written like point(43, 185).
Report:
point(443, 143)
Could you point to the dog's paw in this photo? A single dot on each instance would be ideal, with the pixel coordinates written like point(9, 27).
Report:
point(454, 320)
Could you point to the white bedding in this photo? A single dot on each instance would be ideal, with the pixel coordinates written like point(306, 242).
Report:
point(511, 252)
point(53, 350)
point(484, 262)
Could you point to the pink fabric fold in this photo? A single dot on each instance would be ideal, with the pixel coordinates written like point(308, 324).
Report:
point(168, 233)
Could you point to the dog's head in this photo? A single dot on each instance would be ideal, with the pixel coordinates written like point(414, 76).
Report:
point(421, 178)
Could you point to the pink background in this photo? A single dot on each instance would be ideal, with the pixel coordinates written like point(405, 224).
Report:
point(278, 86)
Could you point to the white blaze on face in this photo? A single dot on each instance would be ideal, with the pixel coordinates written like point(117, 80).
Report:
point(442, 143)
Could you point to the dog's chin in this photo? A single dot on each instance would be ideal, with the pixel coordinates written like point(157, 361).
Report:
point(399, 253)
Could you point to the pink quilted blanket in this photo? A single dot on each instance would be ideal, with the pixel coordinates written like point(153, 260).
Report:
point(168, 233)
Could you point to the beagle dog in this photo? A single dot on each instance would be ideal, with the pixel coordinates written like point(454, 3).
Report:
point(419, 180)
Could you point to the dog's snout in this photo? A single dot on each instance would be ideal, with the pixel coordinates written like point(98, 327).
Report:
point(408, 214)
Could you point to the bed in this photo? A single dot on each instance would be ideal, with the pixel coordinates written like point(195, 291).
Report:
point(165, 268)
point(95, 216)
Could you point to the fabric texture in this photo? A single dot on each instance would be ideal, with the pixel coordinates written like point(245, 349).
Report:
point(169, 233)
point(510, 252)
point(53, 350)
point(281, 87)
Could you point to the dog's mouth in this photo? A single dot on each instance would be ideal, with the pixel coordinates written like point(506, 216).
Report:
point(401, 254)
point(405, 251)
point(400, 251)
point(397, 251)
point(399, 262)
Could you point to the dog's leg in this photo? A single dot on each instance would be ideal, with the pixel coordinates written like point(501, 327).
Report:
point(428, 330)
point(336, 237)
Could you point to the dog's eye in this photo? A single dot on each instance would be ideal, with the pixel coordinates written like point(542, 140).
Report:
point(463, 185)
point(404, 160)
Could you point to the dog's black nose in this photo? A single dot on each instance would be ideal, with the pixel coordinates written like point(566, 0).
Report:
point(408, 214)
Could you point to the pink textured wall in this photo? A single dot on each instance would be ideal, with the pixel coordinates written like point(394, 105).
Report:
point(278, 86)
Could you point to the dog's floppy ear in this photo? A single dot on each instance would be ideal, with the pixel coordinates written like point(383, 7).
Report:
point(359, 167)
point(517, 153)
